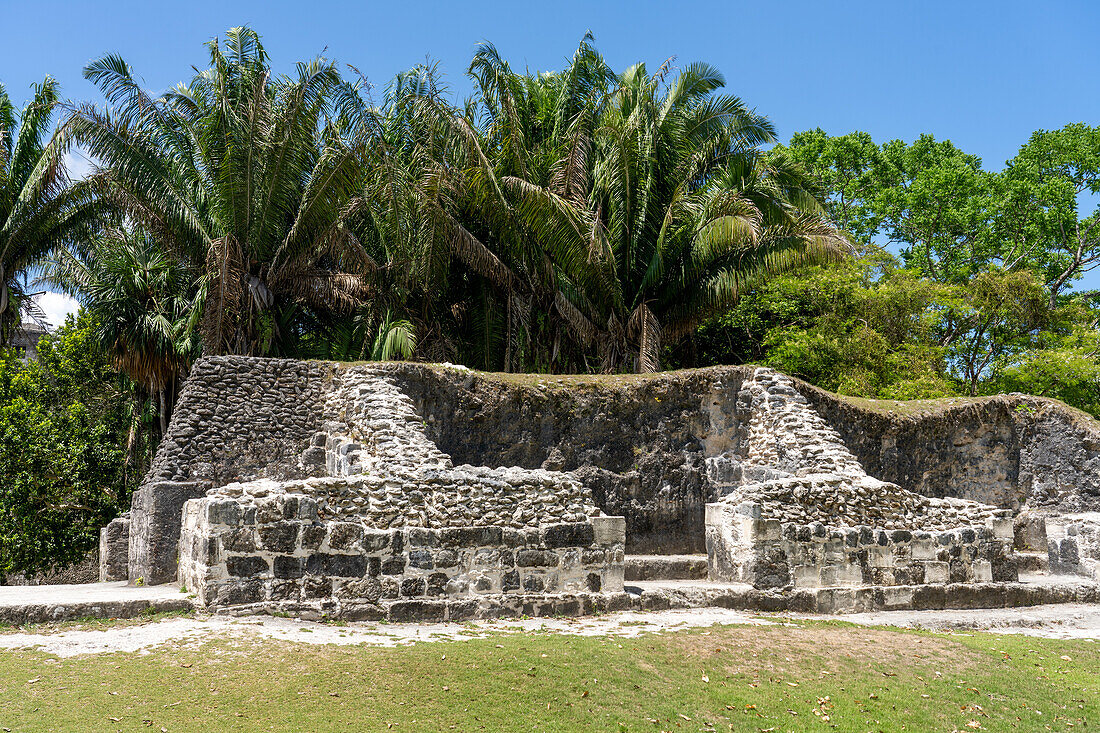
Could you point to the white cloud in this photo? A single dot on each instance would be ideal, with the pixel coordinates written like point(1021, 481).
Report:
point(77, 164)
point(56, 306)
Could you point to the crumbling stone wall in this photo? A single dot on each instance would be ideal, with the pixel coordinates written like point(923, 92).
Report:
point(276, 550)
point(639, 443)
point(646, 444)
point(768, 553)
point(653, 448)
point(1008, 450)
point(236, 419)
point(798, 509)
point(388, 517)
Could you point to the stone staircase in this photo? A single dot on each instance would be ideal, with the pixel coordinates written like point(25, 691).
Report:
point(666, 567)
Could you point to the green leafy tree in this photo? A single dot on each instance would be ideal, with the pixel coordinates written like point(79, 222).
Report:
point(63, 424)
point(987, 321)
point(863, 327)
point(852, 170)
point(1047, 185)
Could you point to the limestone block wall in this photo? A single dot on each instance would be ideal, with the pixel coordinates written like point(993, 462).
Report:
point(1073, 544)
point(236, 419)
point(798, 509)
point(643, 443)
point(279, 551)
point(653, 448)
point(637, 442)
point(767, 553)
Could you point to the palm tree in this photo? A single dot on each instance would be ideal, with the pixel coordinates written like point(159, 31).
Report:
point(39, 209)
point(245, 177)
point(510, 202)
point(623, 209)
point(145, 306)
point(691, 212)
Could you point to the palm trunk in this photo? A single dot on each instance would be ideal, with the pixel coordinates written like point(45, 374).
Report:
point(163, 412)
point(508, 334)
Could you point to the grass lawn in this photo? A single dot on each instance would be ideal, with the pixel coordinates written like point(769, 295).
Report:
point(798, 677)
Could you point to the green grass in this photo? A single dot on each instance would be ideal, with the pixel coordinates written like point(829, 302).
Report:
point(803, 677)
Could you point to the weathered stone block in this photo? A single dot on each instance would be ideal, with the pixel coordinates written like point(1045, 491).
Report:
point(568, 535)
point(375, 540)
point(226, 512)
point(246, 566)
point(345, 536)
point(285, 590)
point(533, 583)
point(286, 567)
point(279, 536)
point(427, 611)
point(313, 536)
point(609, 530)
point(155, 524)
point(338, 566)
point(1003, 528)
point(242, 540)
point(114, 550)
point(510, 581)
point(316, 587)
point(413, 586)
point(234, 593)
point(437, 584)
point(393, 565)
point(923, 549)
point(419, 537)
point(365, 589)
point(421, 559)
point(807, 576)
point(536, 559)
point(445, 559)
point(471, 536)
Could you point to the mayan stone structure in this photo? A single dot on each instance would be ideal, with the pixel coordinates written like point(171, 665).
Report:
point(797, 509)
point(403, 490)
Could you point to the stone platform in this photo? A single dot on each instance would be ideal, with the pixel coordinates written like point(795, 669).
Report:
point(39, 604)
point(53, 604)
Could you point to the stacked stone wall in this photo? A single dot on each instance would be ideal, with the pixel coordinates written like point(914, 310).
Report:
point(277, 550)
point(798, 509)
point(651, 448)
point(767, 553)
point(1073, 544)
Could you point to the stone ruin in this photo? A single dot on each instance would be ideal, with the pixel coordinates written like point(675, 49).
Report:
point(797, 509)
point(317, 488)
point(390, 518)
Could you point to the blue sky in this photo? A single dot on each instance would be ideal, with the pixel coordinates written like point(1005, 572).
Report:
point(982, 74)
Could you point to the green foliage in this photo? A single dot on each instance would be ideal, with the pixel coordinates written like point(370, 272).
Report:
point(63, 432)
point(988, 258)
point(863, 328)
point(243, 175)
point(1045, 186)
point(40, 209)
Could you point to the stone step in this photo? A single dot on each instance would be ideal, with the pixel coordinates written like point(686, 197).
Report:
point(1032, 562)
point(666, 567)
